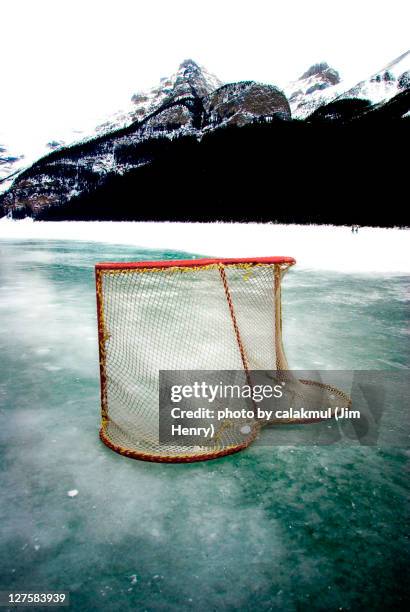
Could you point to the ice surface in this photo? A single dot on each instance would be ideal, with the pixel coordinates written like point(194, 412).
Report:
point(325, 247)
point(270, 528)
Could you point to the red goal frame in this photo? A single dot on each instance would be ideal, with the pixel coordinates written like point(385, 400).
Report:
point(182, 263)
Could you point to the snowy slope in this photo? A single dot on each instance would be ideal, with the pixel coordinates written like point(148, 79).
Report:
point(20, 150)
point(384, 84)
point(10, 161)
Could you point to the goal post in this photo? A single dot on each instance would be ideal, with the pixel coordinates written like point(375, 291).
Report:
point(186, 315)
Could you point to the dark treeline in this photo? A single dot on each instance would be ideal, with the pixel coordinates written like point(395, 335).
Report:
point(292, 172)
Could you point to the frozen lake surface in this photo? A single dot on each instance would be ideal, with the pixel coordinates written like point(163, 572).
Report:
point(269, 528)
point(322, 247)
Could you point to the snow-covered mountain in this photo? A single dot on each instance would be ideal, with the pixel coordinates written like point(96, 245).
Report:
point(189, 80)
point(10, 163)
point(188, 102)
point(20, 151)
point(321, 84)
point(384, 84)
point(191, 103)
point(317, 86)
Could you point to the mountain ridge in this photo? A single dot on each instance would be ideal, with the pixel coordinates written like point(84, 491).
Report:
point(323, 86)
point(187, 110)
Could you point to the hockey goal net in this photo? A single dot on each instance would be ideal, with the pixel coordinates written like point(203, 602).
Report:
point(209, 314)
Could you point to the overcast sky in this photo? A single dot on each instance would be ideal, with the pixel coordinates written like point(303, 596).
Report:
point(66, 63)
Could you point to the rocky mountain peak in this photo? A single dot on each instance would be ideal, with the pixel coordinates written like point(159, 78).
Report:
point(323, 71)
point(193, 80)
point(190, 80)
point(188, 65)
point(310, 90)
